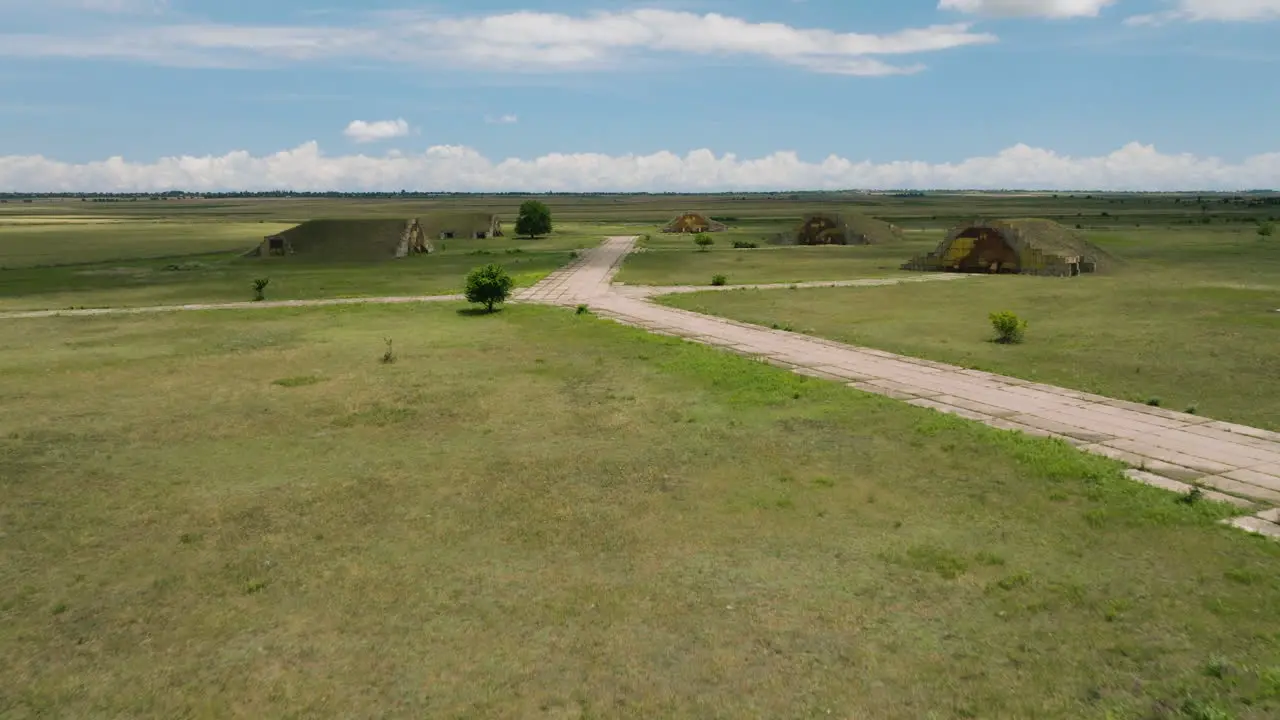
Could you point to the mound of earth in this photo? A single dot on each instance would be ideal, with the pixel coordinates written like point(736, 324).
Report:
point(375, 239)
point(841, 229)
point(692, 222)
point(1024, 246)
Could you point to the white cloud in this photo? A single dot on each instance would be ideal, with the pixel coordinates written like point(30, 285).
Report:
point(1239, 10)
point(520, 41)
point(365, 132)
point(508, 119)
point(453, 168)
point(1213, 10)
point(1160, 18)
point(117, 7)
point(1056, 9)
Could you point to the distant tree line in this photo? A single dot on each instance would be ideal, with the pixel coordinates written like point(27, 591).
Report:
point(413, 194)
point(1248, 198)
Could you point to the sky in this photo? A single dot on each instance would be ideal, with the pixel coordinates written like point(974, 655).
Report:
point(667, 95)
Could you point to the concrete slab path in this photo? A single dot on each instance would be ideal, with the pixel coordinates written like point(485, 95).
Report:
point(1170, 449)
point(587, 277)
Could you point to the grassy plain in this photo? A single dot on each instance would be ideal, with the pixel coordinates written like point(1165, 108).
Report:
point(133, 263)
point(537, 514)
point(674, 259)
point(685, 265)
point(1189, 321)
point(28, 241)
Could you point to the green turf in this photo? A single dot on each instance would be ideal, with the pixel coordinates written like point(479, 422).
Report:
point(674, 259)
point(934, 210)
point(226, 277)
point(1188, 321)
point(762, 232)
point(536, 513)
point(769, 264)
point(223, 279)
point(63, 241)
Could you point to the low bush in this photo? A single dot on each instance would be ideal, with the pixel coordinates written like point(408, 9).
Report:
point(719, 280)
point(1009, 327)
point(703, 241)
point(489, 285)
point(744, 244)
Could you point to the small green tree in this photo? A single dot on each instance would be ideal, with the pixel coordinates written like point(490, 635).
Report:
point(703, 241)
point(260, 289)
point(488, 286)
point(1266, 230)
point(719, 280)
point(1009, 327)
point(534, 219)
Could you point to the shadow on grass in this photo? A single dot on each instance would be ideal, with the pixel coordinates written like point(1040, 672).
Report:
point(478, 311)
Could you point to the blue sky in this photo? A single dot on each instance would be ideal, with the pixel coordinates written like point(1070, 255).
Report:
point(684, 94)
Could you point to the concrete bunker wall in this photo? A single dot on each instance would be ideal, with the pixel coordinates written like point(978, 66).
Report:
point(414, 241)
point(470, 226)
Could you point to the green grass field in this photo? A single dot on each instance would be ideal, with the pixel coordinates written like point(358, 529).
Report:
point(737, 209)
point(674, 259)
point(541, 514)
point(222, 279)
point(688, 266)
point(1187, 321)
point(25, 243)
point(107, 265)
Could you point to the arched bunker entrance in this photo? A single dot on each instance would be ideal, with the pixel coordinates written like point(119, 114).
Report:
point(694, 223)
point(821, 230)
point(1027, 247)
point(982, 250)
